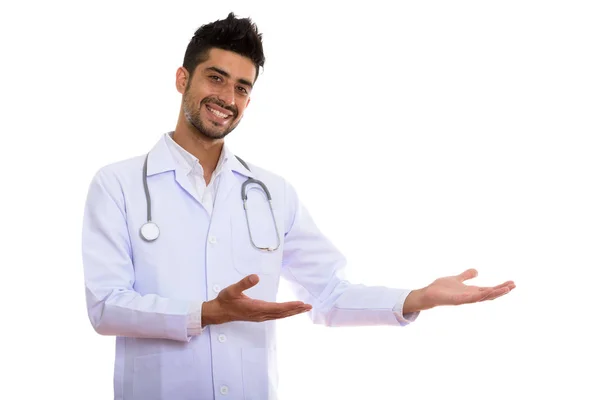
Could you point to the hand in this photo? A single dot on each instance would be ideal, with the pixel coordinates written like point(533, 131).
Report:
point(451, 290)
point(233, 305)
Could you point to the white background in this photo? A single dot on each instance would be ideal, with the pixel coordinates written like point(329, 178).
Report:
point(424, 137)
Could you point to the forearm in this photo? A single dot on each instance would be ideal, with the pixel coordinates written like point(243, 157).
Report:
point(127, 313)
point(356, 305)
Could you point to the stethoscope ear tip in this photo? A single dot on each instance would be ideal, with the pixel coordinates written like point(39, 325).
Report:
point(149, 231)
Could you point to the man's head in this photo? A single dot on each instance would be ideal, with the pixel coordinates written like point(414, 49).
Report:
point(219, 69)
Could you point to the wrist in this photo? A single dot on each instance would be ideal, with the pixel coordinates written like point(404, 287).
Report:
point(210, 313)
point(415, 301)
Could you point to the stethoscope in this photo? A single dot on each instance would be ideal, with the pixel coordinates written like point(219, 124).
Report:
point(150, 231)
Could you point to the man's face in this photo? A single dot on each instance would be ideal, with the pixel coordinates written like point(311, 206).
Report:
point(218, 92)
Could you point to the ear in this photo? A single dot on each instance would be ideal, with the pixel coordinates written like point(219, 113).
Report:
point(181, 79)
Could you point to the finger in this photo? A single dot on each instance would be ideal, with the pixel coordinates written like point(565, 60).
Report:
point(468, 274)
point(300, 310)
point(287, 314)
point(237, 288)
point(510, 284)
point(497, 293)
point(472, 296)
point(483, 293)
point(278, 308)
point(275, 310)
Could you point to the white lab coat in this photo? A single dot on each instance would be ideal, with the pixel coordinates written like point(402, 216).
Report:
point(141, 292)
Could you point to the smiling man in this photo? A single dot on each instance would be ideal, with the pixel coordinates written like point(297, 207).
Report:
point(206, 96)
point(184, 248)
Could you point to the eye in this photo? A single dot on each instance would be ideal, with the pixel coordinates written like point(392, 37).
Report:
point(242, 89)
point(215, 78)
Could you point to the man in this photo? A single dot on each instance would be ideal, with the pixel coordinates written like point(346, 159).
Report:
point(183, 254)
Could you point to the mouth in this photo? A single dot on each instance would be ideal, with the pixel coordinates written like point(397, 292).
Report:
point(219, 114)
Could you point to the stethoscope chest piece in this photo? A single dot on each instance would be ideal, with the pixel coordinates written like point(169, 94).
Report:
point(149, 231)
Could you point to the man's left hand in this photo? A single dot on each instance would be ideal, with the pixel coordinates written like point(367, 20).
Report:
point(451, 291)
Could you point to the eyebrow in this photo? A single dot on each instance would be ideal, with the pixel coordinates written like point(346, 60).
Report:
point(227, 75)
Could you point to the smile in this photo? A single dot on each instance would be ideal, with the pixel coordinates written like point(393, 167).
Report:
point(218, 113)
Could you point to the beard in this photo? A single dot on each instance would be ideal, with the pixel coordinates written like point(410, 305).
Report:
point(208, 129)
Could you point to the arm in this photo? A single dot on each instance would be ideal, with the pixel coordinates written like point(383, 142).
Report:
point(315, 268)
point(114, 307)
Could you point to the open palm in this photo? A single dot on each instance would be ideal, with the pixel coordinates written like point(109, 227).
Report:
point(451, 290)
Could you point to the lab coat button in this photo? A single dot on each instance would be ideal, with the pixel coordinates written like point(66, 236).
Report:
point(212, 239)
point(217, 288)
point(224, 389)
point(222, 338)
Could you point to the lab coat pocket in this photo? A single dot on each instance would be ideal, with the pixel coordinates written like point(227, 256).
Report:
point(255, 373)
point(165, 376)
point(252, 234)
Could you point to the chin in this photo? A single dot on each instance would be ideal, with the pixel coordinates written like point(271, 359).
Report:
point(209, 133)
point(217, 134)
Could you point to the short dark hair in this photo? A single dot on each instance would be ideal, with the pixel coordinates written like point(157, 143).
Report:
point(239, 35)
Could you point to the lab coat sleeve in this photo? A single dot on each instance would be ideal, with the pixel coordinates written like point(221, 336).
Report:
point(194, 322)
point(315, 269)
point(114, 307)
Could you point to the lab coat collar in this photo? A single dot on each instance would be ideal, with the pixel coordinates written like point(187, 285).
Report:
point(160, 159)
point(235, 165)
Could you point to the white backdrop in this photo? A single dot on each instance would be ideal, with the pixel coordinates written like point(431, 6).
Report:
point(424, 137)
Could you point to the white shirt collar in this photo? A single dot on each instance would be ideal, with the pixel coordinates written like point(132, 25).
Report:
point(189, 162)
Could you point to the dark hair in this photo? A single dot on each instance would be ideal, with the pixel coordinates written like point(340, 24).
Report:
point(239, 35)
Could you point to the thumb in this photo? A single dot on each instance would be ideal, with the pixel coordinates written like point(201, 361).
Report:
point(245, 284)
point(468, 274)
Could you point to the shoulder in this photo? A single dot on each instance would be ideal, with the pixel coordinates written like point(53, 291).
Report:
point(281, 189)
point(116, 175)
point(269, 177)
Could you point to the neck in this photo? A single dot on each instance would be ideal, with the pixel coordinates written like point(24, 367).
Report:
point(206, 150)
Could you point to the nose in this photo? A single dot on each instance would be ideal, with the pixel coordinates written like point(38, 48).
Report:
point(227, 95)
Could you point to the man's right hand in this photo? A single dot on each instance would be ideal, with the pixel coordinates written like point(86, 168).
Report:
point(231, 304)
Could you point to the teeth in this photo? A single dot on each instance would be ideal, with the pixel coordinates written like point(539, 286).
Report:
point(218, 113)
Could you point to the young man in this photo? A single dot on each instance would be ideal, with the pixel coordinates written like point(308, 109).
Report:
point(183, 253)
